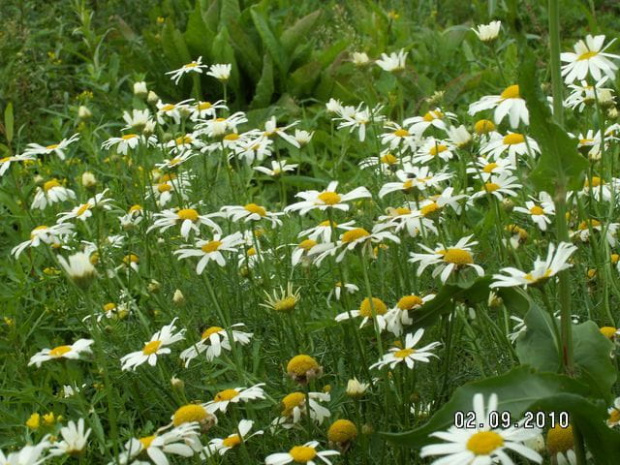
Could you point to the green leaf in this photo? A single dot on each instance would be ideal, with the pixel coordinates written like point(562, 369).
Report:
point(294, 35)
point(265, 85)
point(8, 122)
point(270, 42)
point(514, 299)
point(559, 162)
point(197, 35)
point(518, 391)
point(230, 12)
point(174, 45)
point(223, 53)
point(246, 50)
point(540, 346)
point(592, 357)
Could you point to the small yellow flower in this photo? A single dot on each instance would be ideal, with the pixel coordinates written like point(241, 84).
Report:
point(34, 422)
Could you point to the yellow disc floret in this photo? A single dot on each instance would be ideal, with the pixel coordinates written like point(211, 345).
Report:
point(484, 442)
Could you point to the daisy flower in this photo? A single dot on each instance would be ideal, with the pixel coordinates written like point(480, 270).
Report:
point(294, 407)
point(189, 218)
point(386, 161)
point(408, 354)
point(195, 66)
point(217, 127)
point(172, 110)
point(137, 120)
point(485, 168)
point(499, 186)
point(222, 399)
point(433, 118)
point(560, 445)
point(413, 177)
point(586, 94)
point(583, 231)
point(328, 198)
point(360, 58)
point(177, 160)
point(324, 229)
point(355, 237)
point(252, 149)
point(213, 340)
point(55, 234)
point(599, 189)
point(398, 317)
point(71, 352)
point(50, 193)
point(201, 110)
point(513, 143)
point(211, 250)
point(589, 58)
point(403, 218)
point(304, 253)
point(156, 346)
point(128, 141)
point(283, 301)
point(194, 413)
point(392, 62)
point(185, 143)
point(374, 309)
point(27, 455)
point(272, 129)
point(432, 149)
point(303, 137)
point(84, 211)
point(278, 168)
point(518, 329)
point(74, 439)
point(301, 454)
point(508, 103)
point(397, 137)
point(251, 212)
point(614, 414)
point(183, 440)
point(79, 268)
point(557, 260)
point(221, 446)
point(57, 149)
point(488, 32)
point(539, 210)
point(447, 259)
point(221, 72)
point(459, 136)
point(5, 162)
point(359, 118)
point(482, 445)
point(339, 288)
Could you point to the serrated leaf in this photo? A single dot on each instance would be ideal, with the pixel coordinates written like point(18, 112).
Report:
point(9, 122)
point(293, 36)
point(559, 162)
point(265, 85)
point(270, 42)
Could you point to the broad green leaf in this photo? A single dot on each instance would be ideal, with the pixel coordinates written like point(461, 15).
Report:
point(197, 35)
point(540, 346)
point(174, 45)
point(592, 357)
point(298, 32)
point(8, 122)
point(559, 160)
point(265, 86)
point(303, 80)
point(518, 391)
point(246, 50)
point(514, 299)
point(230, 11)
point(270, 42)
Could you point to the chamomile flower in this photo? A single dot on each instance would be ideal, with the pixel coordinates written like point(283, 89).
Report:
point(413, 177)
point(211, 250)
point(302, 454)
point(278, 168)
point(5, 163)
point(128, 141)
point(585, 94)
point(447, 259)
point(51, 192)
point(433, 118)
point(482, 445)
point(221, 72)
point(614, 414)
point(222, 399)
point(71, 352)
point(404, 218)
point(408, 355)
point(201, 110)
point(360, 237)
point(360, 58)
point(539, 210)
point(398, 137)
point(213, 340)
point(589, 58)
point(74, 439)
point(508, 103)
point(459, 136)
point(221, 446)
point(137, 120)
point(359, 118)
point(398, 317)
point(283, 301)
point(488, 32)
point(499, 186)
point(189, 218)
point(387, 162)
point(583, 230)
point(84, 211)
point(339, 288)
point(557, 260)
point(194, 413)
point(195, 66)
point(518, 329)
point(599, 189)
point(395, 61)
point(219, 127)
point(323, 231)
point(432, 149)
point(302, 253)
point(560, 445)
point(79, 268)
point(158, 345)
point(485, 167)
point(185, 142)
point(175, 111)
point(272, 129)
point(52, 235)
point(251, 212)
point(294, 408)
point(370, 310)
point(328, 198)
point(27, 455)
point(57, 149)
point(514, 144)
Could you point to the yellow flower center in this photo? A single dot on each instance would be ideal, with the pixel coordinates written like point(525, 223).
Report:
point(484, 126)
point(510, 92)
point(608, 331)
point(285, 305)
point(513, 139)
point(206, 334)
point(52, 147)
point(429, 209)
point(456, 256)
point(491, 187)
point(403, 353)
point(211, 246)
point(354, 234)
point(189, 413)
point(593, 223)
point(83, 208)
point(187, 214)
point(366, 309)
point(232, 136)
point(614, 258)
point(5, 159)
point(129, 136)
point(131, 258)
point(204, 105)
point(146, 441)
point(51, 184)
point(295, 399)
point(301, 364)
point(135, 208)
point(165, 187)
point(257, 209)
point(60, 351)
point(232, 441)
point(401, 133)
point(302, 454)
point(595, 182)
point(401, 211)
point(226, 394)
point(431, 115)
point(307, 244)
point(484, 442)
point(536, 210)
point(437, 149)
point(251, 252)
point(489, 167)
point(193, 64)
point(167, 107)
point(37, 229)
point(329, 198)
point(388, 158)
point(587, 55)
point(342, 431)
point(614, 417)
point(559, 439)
point(151, 347)
point(409, 302)
point(109, 307)
point(183, 140)
point(327, 224)
point(168, 177)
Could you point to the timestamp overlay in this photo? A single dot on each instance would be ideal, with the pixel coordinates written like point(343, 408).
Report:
point(503, 419)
